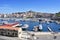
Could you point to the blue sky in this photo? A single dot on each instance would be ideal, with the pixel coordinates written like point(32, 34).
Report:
point(49, 6)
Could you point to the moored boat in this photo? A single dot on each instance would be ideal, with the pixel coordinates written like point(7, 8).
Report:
point(9, 29)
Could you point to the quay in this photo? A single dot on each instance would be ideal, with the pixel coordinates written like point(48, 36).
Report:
point(39, 36)
point(33, 19)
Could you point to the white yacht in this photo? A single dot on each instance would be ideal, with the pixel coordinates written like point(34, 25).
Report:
point(25, 26)
point(40, 27)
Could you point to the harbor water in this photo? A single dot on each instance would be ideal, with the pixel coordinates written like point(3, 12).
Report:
point(53, 25)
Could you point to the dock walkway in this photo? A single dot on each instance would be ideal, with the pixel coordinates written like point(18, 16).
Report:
point(40, 36)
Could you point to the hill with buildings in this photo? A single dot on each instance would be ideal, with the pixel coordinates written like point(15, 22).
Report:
point(27, 14)
point(56, 16)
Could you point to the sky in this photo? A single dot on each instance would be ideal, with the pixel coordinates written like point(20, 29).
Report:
point(12, 6)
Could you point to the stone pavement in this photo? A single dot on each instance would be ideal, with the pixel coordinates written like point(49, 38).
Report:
point(38, 37)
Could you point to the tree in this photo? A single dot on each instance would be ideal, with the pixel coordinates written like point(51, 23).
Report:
point(58, 14)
